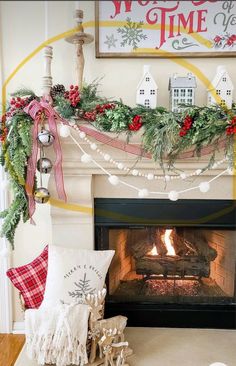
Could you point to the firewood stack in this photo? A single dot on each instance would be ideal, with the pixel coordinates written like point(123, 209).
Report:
point(191, 260)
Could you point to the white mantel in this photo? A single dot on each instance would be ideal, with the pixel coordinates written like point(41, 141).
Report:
point(84, 182)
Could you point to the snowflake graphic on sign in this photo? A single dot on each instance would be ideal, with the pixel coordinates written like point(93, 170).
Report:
point(131, 33)
point(110, 41)
point(82, 289)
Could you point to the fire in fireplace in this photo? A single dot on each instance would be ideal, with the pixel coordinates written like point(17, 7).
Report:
point(172, 253)
point(168, 271)
point(155, 263)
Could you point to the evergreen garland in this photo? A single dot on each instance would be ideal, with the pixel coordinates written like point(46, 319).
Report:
point(165, 134)
point(14, 156)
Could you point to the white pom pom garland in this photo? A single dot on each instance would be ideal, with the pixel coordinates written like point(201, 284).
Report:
point(135, 172)
point(114, 180)
point(107, 157)
point(82, 135)
point(120, 166)
point(142, 193)
point(86, 158)
point(64, 131)
point(150, 176)
point(173, 195)
point(204, 187)
point(183, 175)
point(93, 146)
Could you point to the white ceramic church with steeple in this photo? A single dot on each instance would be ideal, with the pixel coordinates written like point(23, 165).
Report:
point(147, 89)
point(223, 86)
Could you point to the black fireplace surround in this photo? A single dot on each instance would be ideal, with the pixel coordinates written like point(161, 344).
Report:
point(143, 213)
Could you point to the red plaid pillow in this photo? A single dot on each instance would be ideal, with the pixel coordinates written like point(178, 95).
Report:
point(30, 279)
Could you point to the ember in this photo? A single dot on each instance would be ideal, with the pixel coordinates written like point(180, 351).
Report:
point(173, 287)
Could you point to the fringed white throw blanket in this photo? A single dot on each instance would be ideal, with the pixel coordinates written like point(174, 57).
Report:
point(57, 335)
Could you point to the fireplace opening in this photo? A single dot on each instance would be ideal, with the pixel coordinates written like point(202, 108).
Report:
point(174, 263)
point(183, 265)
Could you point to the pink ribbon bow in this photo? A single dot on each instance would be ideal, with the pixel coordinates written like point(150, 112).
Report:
point(33, 110)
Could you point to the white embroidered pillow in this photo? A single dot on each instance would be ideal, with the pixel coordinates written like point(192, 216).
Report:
point(74, 273)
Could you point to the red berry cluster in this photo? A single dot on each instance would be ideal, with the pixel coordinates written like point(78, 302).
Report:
point(231, 130)
point(16, 104)
point(99, 109)
point(187, 124)
point(73, 95)
point(90, 116)
point(3, 129)
point(136, 123)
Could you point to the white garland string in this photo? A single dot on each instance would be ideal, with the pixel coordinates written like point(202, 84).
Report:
point(142, 192)
point(135, 172)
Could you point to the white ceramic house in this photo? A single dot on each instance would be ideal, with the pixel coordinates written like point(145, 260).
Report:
point(147, 89)
point(182, 91)
point(222, 85)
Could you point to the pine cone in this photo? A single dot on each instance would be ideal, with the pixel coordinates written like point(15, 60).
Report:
point(57, 90)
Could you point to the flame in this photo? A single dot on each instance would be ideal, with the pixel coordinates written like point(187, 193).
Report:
point(153, 251)
point(166, 238)
point(168, 244)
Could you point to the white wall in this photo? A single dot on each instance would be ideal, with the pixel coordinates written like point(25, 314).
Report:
point(22, 30)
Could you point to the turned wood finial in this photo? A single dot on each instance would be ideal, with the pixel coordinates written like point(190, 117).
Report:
point(47, 78)
point(79, 39)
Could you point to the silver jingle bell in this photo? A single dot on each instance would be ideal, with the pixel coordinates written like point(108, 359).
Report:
point(41, 195)
point(45, 138)
point(44, 165)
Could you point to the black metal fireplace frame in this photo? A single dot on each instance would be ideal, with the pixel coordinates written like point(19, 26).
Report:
point(123, 213)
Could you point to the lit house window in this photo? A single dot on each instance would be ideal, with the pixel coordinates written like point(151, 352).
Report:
point(147, 78)
point(141, 91)
point(218, 92)
point(228, 92)
point(152, 92)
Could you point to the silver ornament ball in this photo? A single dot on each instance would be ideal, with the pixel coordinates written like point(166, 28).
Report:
point(45, 138)
point(44, 165)
point(41, 195)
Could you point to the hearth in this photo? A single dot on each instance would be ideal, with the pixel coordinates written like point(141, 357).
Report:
point(175, 262)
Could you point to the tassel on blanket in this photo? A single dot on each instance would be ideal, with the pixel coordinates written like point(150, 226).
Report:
point(57, 335)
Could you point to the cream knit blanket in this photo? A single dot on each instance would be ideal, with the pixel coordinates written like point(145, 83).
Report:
point(57, 335)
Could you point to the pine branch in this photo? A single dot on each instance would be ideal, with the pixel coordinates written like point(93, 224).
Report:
point(64, 108)
point(23, 92)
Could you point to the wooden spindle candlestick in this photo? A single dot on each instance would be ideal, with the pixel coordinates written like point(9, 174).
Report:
point(79, 39)
point(47, 78)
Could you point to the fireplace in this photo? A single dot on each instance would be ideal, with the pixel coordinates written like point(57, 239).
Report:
point(175, 262)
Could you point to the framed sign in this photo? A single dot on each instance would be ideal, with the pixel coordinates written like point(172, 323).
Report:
point(197, 28)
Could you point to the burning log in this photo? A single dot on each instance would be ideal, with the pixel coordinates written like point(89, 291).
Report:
point(199, 242)
point(161, 248)
point(173, 266)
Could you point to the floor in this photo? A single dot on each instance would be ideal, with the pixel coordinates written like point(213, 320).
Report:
point(10, 347)
point(174, 347)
